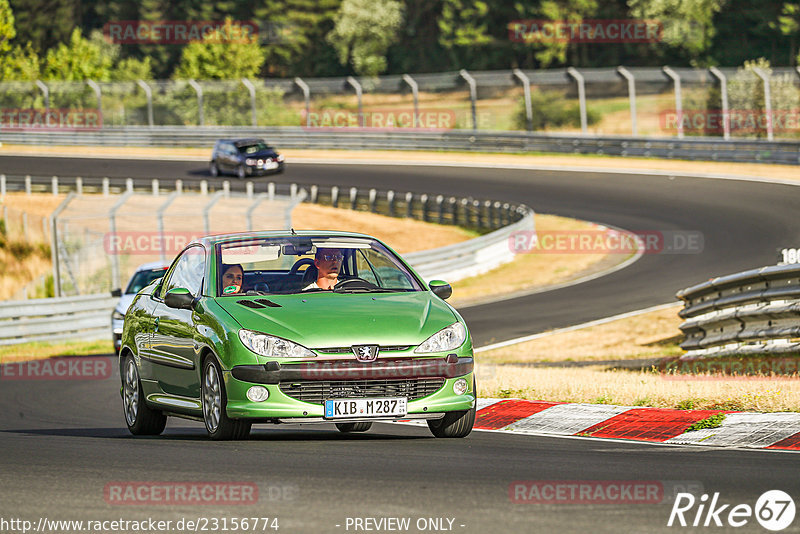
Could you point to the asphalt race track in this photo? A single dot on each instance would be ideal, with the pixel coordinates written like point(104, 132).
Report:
point(63, 443)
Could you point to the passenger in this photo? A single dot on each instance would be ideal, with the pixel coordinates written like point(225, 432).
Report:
point(232, 279)
point(328, 262)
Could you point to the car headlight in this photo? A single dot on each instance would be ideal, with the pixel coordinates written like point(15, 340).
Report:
point(250, 161)
point(449, 338)
point(280, 157)
point(118, 316)
point(273, 347)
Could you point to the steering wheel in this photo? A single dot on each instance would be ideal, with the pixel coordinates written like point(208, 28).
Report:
point(299, 263)
point(353, 283)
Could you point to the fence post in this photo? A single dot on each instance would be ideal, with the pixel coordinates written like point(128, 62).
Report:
point(473, 96)
point(99, 96)
point(767, 101)
point(27, 184)
point(204, 187)
point(252, 208)
point(207, 209)
point(249, 190)
point(526, 88)
point(129, 185)
point(2, 185)
point(112, 218)
point(314, 194)
point(628, 75)
point(415, 92)
point(373, 196)
point(581, 96)
point(440, 207)
point(179, 185)
point(160, 216)
point(54, 185)
point(199, 90)
point(306, 96)
point(409, 205)
point(678, 100)
point(251, 88)
point(353, 198)
point(46, 92)
point(149, 94)
point(105, 187)
point(723, 89)
point(453, 209)
point(293, 191)
point(5, 216)
point(226, 188)
point(496, 218)
point(505, 218)
point(335, 196)
point(487, 205)
point(390, 202)
point(156, 187)
point(359, 93)
point(79, 185)
point(25, 225)
point(271, 190)
point(423, 199)
point(54, 243)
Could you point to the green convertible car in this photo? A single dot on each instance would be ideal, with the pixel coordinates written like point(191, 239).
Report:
point(295, 327)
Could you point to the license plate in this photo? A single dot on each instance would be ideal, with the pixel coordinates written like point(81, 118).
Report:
point(271, 165)
point(358, 408)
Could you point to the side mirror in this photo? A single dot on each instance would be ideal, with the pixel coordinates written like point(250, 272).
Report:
point(180, 298)
point(441, 289)
point(116, 292)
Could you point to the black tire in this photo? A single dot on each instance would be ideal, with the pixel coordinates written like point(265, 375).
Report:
point(354, 427)
point(140, 418)
point(213, 170)
point(455, 424)
point(241, 172)
point(220, 427)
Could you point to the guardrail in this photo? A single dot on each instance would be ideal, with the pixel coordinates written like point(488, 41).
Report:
point(87, 317)
point(694, 148)
point(754, 312)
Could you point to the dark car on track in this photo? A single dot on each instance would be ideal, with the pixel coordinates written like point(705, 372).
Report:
point(244, 157)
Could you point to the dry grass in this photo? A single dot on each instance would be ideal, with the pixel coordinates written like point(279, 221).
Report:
point(650, 335)
point(403, 235)
point(532, 270)
point(639, 388)
point(41, 350)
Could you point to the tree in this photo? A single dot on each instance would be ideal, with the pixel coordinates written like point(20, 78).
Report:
point(364, 31)
point(7, 31)
point(222, 55)
point(574, 11)
point(19, 63)
point(789, 25)
point(746, 93)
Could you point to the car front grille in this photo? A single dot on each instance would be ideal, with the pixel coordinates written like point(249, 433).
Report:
point(316, 392)
point(349, 350)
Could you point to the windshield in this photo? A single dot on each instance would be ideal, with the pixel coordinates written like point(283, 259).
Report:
point(142, 278)
point(308, 265)
point(252, 149)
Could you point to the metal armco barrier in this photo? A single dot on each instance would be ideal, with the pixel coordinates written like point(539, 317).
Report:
point(690, 148)
point(749, 313)
point(86, 317)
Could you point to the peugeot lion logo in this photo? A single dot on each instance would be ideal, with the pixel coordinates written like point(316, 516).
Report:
point(365, 353)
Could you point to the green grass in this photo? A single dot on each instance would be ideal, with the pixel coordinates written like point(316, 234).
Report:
point(40, 349)
point(709, 422)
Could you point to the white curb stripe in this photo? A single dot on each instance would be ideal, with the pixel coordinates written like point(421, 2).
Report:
point(566, 418)
point(745, 430)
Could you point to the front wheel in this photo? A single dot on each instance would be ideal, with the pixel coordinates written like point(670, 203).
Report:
point(213, 170)
point(140, 418)
point(241, 172)
point(455, 424)
point(218, 424)
point(354, 427)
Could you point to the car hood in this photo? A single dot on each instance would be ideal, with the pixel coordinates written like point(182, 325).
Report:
point(125, 302)
point(261, 155)
point(327, 319)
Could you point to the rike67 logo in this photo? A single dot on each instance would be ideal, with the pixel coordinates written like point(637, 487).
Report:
point(774, 510)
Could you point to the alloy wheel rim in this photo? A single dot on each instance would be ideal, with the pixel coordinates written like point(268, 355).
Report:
point(212, 398)
point(131, 392)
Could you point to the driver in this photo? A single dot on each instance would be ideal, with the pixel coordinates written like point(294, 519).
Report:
point(232, 278)
point(328, 262)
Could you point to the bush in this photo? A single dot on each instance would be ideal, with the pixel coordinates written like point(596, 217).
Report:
point(552, 110)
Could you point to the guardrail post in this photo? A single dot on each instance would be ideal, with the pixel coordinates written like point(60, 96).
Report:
point(572, 71)
point(204, 187)
point(473, 96)
point(415, 92)
point(249, 189)
point(373, 196)
point(767, 101)
point(25, 225)
point(335, 196)
point(526, 88)
point(390, 202)
point(54, 185)
point(226, 188)
point(440, 208)
point(678, 100)
point(353, 198)
point(496, 215)
point(423, 200)
point(487, 205)
point(179, 185)
point(155, 186)
point(199, 90)
point(314, 194)
point(453, 205)
point(293, 191)
point(129, 185)
point(252, 208)
point(306, 96)
point(464, 211)
point(160, 216)
point(628, 75)
point(105, 187)
point(2, 185)
point(207, 209)
point(54, 243)
point(357, 86)
point(723, 89)
point(409, 205)
point(505, 214)
point(99, 96)
point(45, 92)
point(149, 94)
point(27, 184)
point(252, 89)
point(271, 191)
point(79, 185)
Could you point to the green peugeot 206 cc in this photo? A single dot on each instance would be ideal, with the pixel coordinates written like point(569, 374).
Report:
point(295, 327)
